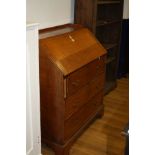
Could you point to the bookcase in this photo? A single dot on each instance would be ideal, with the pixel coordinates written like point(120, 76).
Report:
point(104, 19)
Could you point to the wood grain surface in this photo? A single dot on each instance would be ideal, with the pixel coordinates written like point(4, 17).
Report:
point(72, 50)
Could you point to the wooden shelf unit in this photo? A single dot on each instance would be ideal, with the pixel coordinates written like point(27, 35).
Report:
point(108, 46)
point(104, 19)
point(106, 22)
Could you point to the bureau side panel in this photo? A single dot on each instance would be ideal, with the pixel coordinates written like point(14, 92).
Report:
point(52, 100)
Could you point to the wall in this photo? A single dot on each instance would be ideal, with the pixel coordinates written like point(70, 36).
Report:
point(56, 12)
point(50, 12)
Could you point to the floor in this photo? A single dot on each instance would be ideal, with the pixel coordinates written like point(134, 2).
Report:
point(103, 137)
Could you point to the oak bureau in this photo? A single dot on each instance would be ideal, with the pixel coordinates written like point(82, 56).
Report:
point(72, 74)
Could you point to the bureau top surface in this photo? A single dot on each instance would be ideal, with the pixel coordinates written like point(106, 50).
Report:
point(72, 50)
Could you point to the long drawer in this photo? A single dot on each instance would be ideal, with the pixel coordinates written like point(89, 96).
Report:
point(84, 75)
point(81, 97)
point(73, 124)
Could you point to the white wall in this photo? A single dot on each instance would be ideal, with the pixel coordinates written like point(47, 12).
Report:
point(50, 12)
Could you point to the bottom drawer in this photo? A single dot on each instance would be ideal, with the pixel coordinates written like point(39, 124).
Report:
point(80, 117)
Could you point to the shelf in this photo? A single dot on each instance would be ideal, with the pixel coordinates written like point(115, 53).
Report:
point(109, 46)
point(107, 2)
point(110, 60)
point(106, 22)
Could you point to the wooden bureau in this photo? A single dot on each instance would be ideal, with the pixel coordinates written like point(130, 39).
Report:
point(72, 71)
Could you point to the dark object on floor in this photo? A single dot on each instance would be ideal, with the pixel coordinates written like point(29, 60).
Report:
point(126, 134)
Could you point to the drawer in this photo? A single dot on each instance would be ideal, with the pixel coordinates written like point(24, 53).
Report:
point(84, 75)
point(73, 124)
point(81, 97)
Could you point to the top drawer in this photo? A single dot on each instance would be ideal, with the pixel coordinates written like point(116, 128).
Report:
point(84, 75)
